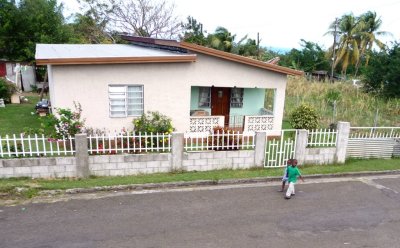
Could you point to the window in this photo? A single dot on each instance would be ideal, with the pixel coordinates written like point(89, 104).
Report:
point(125, 100)
point(204, 97)
point(236, 97)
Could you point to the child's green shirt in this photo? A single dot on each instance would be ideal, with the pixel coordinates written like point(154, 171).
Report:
point(293, 173)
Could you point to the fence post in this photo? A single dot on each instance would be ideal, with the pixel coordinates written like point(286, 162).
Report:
point(177, 151)
point(259, 149)
point(343, 132)
point(301, 145)
point(81, 155)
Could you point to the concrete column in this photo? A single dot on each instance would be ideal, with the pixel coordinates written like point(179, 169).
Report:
point(81, 155)
point(343, 129)
point(259, 149)
point(301, 145)
point(177, 151)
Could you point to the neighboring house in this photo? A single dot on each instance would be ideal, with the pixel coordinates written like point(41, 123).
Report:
point(21, 74)
point(197, 87)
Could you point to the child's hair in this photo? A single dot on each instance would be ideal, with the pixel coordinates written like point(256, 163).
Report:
point(289, 161)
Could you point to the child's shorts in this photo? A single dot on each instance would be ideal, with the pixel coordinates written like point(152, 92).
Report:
point(285, 178)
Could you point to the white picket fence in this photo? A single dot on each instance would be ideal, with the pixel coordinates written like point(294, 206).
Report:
point(218, 141)
point(35, 146)
point(129, 143)
point(322, 137)
point(280, 147)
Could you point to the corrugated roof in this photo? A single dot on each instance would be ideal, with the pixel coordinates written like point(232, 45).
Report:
point(105, 53)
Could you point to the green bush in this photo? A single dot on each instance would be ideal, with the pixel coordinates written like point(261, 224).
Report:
point(304, 117)
point(153, 122)
point(6, 90)
point(64, 123)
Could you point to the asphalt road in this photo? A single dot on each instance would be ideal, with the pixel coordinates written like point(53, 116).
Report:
point(341, 212)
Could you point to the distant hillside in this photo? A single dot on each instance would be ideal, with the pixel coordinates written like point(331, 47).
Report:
point(355, 106)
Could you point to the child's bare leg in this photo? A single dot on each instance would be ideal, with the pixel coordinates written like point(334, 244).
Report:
point(283, 186)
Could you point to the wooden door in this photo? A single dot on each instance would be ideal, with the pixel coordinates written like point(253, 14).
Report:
point(220, 102)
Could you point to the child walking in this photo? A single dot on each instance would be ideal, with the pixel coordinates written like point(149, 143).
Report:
point(285, 174)
point(293, 174)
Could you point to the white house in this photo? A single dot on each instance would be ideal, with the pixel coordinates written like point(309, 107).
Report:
point(197, 87)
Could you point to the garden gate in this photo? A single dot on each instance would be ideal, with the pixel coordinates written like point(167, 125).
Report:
point(280, 146)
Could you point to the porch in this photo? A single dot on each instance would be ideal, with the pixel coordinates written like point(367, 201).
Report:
point(240, 123)
point(239, 109)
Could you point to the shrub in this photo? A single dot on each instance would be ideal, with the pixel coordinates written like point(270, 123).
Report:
point(66, 122)
point(153, 122)
point(6, 90)
point(304, 117)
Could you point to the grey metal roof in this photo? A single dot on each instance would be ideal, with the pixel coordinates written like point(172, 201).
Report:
point(60, 51)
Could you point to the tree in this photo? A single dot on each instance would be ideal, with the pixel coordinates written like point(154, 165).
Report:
point(248, 49)
point(9, 24)
point(382, 76)
point(357, 35)
point(193, 32)
point(369, 26)
point(138, 17)
point(89, 29)
point(309, 59)
point(221, 39)
point(29, 23)
point(348, 49)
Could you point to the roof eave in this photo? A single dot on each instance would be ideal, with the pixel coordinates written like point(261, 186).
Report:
point(240, 59)
point(117, 60)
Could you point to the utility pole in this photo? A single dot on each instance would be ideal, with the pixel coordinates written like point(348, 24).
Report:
point(258, 45)
point(334, 49)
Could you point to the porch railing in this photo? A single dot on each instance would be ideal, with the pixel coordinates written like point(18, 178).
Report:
point(205, 123)
point(244, 123)
point(258, 123)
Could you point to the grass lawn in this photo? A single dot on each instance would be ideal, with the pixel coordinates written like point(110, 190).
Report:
point(15, 117)
point(9, 187)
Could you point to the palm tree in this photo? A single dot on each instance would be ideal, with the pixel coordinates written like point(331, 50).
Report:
point(222, 39)
point(369, 25)
point(348, 49)
point(358, 35)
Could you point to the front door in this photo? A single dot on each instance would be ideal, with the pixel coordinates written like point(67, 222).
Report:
point(220, 102)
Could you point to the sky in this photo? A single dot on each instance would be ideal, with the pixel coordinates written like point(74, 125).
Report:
point(282, 23)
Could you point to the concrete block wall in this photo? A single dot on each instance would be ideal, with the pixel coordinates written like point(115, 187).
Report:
point(129, 164)
point(57, 167)
point(216, 160)
point(319, 155)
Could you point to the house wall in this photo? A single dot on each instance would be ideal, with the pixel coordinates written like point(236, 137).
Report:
point(167, 87)
point(253, 101)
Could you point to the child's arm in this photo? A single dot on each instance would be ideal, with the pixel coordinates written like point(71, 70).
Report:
point(302, 179)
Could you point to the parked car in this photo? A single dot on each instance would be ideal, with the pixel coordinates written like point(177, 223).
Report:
point(43, 106)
